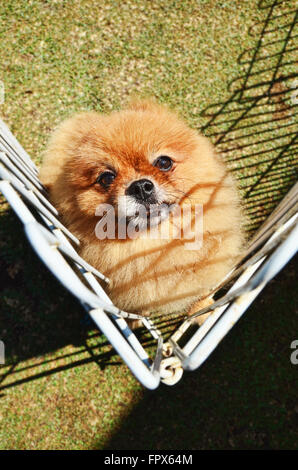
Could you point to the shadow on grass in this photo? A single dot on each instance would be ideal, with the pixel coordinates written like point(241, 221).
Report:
point(38, 316)
point(242, 397)
point(255, 129)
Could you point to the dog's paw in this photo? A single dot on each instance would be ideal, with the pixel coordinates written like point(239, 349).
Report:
point(135, 324)
point(199, 305)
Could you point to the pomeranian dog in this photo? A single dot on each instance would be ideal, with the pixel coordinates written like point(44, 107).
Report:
point(140, 169)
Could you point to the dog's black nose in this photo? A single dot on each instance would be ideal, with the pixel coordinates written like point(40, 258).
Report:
point(143, 190)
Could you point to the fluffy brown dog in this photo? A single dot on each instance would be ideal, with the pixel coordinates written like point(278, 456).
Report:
point(145, 157)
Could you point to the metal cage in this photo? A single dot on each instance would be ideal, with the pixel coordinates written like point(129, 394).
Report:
point(271, 247)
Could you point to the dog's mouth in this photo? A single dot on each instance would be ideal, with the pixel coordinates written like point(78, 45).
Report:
point(131, 219)
point(148, 215)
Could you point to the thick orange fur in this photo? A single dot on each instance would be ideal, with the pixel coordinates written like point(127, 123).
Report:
point(147, 274)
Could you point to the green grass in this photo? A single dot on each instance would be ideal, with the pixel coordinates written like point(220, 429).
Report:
point(63, 387)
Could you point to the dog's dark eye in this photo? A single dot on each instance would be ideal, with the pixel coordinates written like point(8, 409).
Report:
point(105, 179)
point(164, 163)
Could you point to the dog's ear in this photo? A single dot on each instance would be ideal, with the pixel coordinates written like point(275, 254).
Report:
point(147, 104)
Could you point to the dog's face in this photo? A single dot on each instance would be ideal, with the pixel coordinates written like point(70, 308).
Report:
point(140, 160)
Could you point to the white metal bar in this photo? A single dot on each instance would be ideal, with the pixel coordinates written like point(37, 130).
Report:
point(18, 161)
point(88, 273)
point(15, 202)
point(19, 186)
point(213, 318)
point(30, 186)
point(139, 369)
point(7, 135)
point(270, 268)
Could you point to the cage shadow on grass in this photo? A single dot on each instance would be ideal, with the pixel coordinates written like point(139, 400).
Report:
point(39, 318)
point(255, 129)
